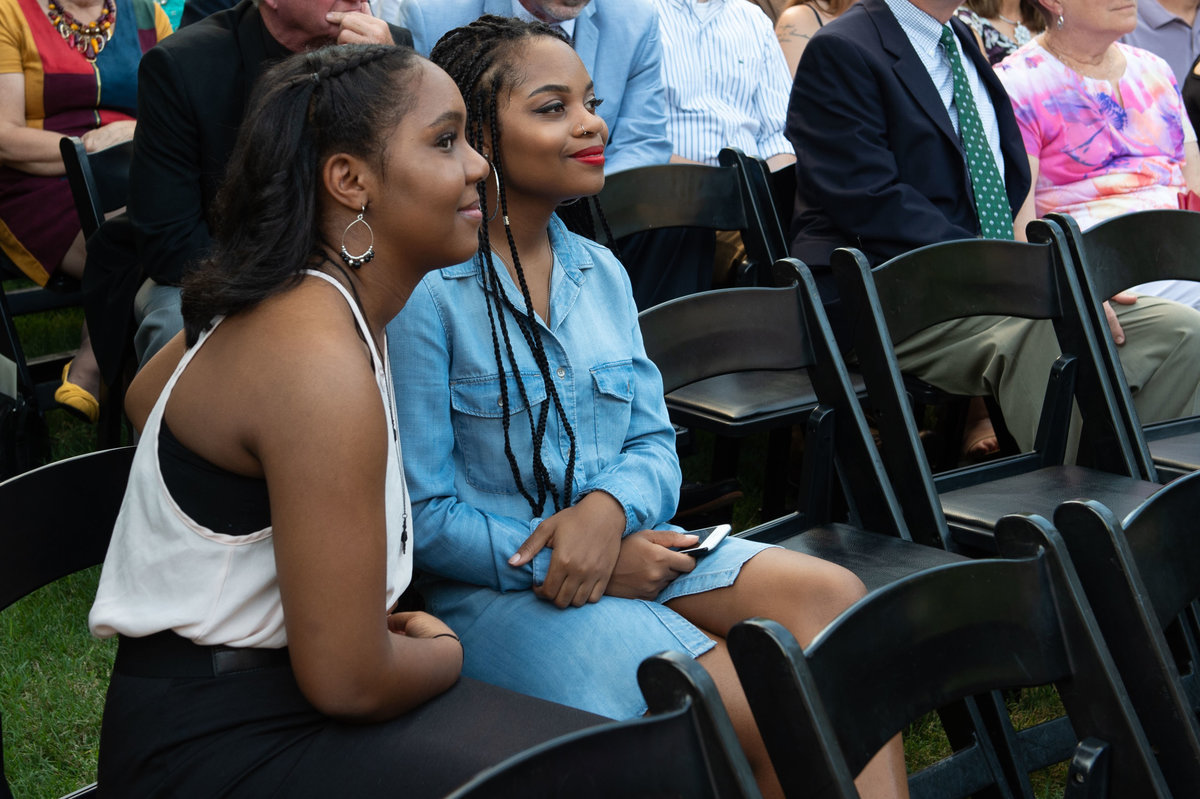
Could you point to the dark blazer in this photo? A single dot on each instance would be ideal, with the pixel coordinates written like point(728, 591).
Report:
point(879, 165)
point(192, 94)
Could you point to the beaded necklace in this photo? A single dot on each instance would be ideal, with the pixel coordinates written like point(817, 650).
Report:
point(88, 38)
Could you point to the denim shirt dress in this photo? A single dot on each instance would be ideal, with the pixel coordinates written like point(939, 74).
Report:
point(470, 518)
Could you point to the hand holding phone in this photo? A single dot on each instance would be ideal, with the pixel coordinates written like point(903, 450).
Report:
point(709, 538)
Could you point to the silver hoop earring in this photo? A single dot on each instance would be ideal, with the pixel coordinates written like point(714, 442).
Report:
point(569, 202)
point(356, 261)
point(496, 179)
point(1059, 23)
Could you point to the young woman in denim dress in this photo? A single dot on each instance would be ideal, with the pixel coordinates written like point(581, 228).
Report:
point(539, 456)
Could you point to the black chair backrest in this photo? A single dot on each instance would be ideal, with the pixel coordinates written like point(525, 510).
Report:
point(695, 196)
point(960, 279)
point(58, 519)
point(1140, 576)
point(726, 330)
point(1136, 248)
point(684, 747)
point(1117, 254)
point(99, 181)
point(941, 635)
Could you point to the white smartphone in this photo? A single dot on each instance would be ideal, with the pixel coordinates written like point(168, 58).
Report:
point(709, 538)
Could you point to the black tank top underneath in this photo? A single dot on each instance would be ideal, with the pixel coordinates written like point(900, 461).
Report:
point(217, 498)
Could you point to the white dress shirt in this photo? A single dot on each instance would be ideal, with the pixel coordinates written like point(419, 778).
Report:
point(727, 83)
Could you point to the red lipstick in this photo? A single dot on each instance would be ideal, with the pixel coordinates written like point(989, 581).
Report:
point(590, 155)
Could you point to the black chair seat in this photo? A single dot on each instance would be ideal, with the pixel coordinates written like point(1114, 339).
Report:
point(1176, 456)
point(875, 558)
point(972, 512)
point(749, 399)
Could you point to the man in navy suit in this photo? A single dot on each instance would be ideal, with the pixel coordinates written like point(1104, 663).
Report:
point(881, 166)
point(617, 40)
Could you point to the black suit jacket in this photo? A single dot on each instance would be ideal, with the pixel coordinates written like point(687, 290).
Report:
point(192, 95)
point(879, 165)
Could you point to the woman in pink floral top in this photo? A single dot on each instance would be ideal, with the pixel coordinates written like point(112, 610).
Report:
point(1103, 124)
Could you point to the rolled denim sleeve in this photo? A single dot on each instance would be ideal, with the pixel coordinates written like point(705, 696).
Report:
point(452, 538)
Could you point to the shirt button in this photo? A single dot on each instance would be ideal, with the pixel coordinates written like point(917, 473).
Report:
point(561, 372)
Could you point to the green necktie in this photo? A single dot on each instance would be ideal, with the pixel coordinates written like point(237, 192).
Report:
point(991, 201)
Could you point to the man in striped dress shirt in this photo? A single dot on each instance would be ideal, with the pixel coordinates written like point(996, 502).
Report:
point(726, 81)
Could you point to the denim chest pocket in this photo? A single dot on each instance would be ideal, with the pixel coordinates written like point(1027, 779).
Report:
point(612, 385)
point(477, 415)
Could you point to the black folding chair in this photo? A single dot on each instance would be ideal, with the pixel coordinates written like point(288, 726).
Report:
point(747, 344)
point(99, 185)
point(684, 747)
point(959, 508)
point(1122, 252)
point(718, 198)
point(44, 538)
point(1141, 576)
point(934, 637)
point(99, 181)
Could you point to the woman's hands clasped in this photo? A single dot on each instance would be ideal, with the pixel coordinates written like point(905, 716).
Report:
point(585, 539)
point(591, 559)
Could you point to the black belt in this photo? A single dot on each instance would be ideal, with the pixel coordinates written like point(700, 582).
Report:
point(166, 654)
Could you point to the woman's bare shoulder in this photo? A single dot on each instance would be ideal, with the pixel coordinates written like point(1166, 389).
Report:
point(798, 20)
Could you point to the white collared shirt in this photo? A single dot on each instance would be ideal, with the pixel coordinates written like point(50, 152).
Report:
point(925, 34)
point(726, 81)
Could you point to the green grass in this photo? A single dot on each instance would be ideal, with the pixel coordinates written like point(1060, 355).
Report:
point(53, 674)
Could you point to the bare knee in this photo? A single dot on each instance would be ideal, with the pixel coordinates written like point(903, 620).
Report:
point(812, 593)
point(836, 588)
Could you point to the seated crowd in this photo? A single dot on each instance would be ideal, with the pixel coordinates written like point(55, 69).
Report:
point(376, 367)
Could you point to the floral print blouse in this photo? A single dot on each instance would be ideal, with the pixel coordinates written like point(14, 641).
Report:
point(1101, 152)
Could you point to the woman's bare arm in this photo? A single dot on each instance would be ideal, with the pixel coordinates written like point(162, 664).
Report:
point(24, 148)
point(288, 388)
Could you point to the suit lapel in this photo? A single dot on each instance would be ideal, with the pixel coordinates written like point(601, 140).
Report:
point(587, 36)
point(909, 69)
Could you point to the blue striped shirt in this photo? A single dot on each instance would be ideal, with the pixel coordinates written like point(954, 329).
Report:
point(925, 34)
point(726, 81)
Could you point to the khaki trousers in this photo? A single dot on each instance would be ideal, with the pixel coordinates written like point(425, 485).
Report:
point(1010, 358)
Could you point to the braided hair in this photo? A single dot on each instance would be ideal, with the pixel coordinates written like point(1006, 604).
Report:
point(484, 60)
point(341, 98)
